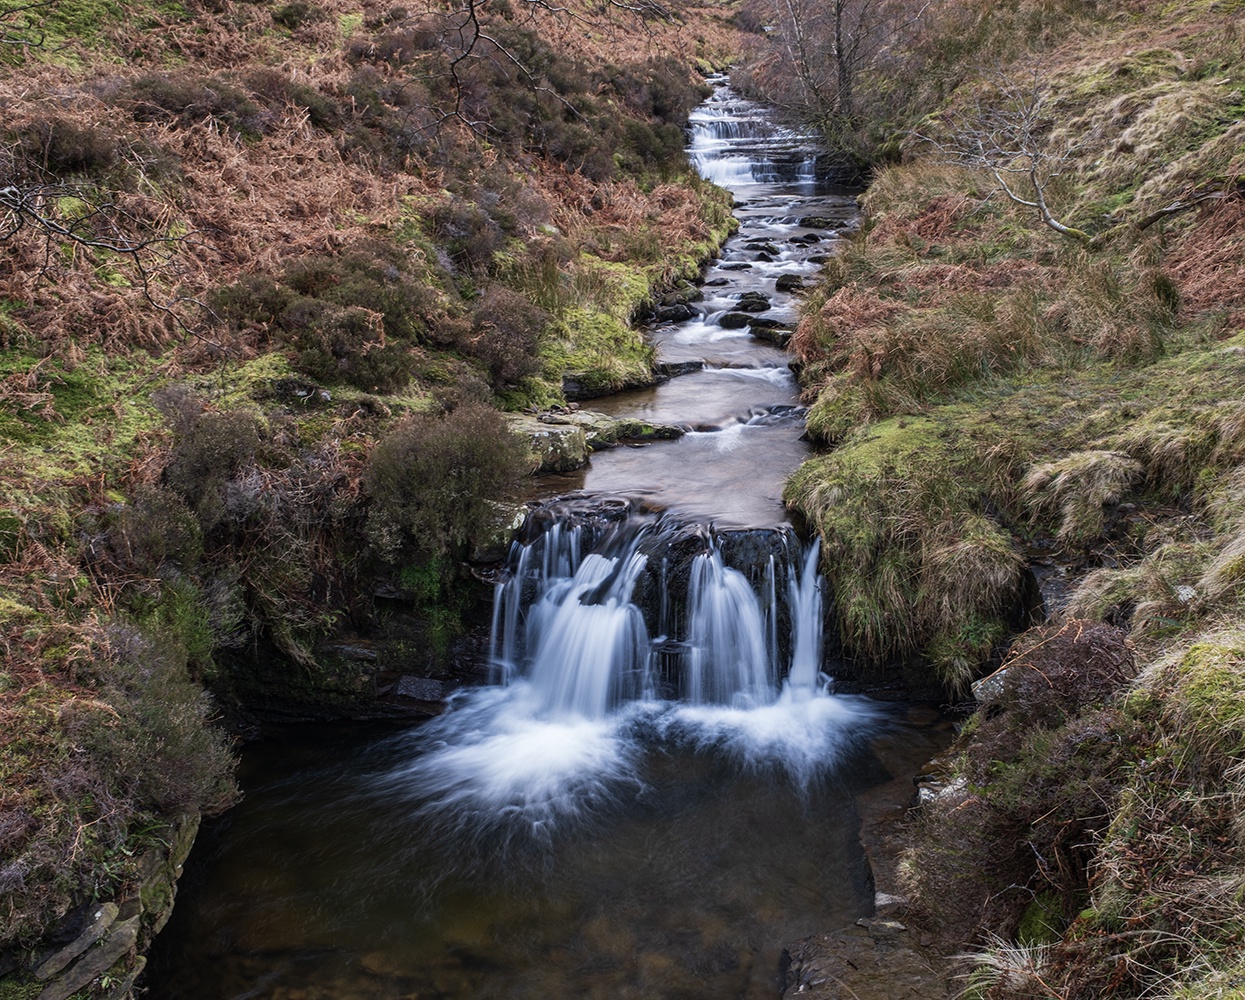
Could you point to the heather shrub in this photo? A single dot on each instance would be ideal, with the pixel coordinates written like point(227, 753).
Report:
point(297, 13)
point(370, 279)
point(351, 319)
point(154, 528)
point(505, 335)
point(467, 232)
point(1035, 771)
point(660, 88)
point(346, 344)
point(157, 748)
point(433, 479)
point(185, 99)
point(276, 89)
point(207, 456)
point(62, 148)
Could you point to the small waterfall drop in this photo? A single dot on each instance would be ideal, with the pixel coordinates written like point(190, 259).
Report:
point(583, 612)
point(807, 625)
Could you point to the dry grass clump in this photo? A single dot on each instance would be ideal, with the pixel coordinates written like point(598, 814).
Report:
point(1166, 879)
point(1205, 262)
point(915, 566)
point(1079, 486)
point(1224, 578)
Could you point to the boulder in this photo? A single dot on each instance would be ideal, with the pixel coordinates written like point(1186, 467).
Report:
point(675, 313)
point(734, 320)
point(120, 938)
point(816, 222)
point(558, 447)
point(776, 336)
point(788, 282)
point(736, 266)
point(96, 927)
point(753, 302)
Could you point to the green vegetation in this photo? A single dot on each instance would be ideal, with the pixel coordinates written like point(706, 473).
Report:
point(991, 391)
point(271, 271)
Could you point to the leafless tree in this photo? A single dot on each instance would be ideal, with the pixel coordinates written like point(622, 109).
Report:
point(1010, 132)
point(1007, 131)
point(829, 44)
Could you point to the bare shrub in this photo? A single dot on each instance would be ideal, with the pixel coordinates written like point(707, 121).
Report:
point(506, 335)
point(1053, 672)
point(432, 479)
point(206, 458)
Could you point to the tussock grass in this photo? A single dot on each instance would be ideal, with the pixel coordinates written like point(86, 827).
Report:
point(1079, 486)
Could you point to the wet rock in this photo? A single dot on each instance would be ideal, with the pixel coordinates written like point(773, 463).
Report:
point(875, 959)
point(816, 222)
point(717, 282)
point(489, 541)
point(990, 688)
point(674, 314)
point(788, 282)
point(685, 292)
point(765, 258)
point(736, 266)
point(753, 302)
point(419, 688)
point(120, 938)
point(97, 926)
point(764, 246)
point(806, 239)
point(558, 447)
point(734, 320)
point(765, 323)
point(673, 369)
point(819, 258)
point(773, 335)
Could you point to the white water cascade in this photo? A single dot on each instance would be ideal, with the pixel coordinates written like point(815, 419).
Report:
point(569, 623)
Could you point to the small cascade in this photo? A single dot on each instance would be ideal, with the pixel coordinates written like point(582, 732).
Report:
point(804, 590)
point(589, 643)
point(733, 142)
point(579, 615)
point(727, 660)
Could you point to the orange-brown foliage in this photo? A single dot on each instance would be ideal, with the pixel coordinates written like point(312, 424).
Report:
point(1208, 262)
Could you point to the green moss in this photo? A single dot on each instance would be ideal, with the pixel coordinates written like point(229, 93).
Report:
point(902, 527)
point(19, 986)
point(1043, 921)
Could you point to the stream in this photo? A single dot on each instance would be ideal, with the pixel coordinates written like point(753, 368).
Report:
point(658, 792)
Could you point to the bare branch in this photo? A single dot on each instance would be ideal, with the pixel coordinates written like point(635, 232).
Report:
point(1005, 133)
point(17, 23)
point(66, 216)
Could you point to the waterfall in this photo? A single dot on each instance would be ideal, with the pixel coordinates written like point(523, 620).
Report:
point(733, 143)
point(727, 659)
point(573, 625)
point(804, 591)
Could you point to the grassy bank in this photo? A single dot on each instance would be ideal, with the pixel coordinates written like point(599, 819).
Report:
point(1054, 380)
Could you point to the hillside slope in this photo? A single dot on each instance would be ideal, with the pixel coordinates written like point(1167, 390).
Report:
point(1028, 371)
point(269, 273)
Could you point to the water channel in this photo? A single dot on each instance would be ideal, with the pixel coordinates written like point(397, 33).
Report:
point(659, 791)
